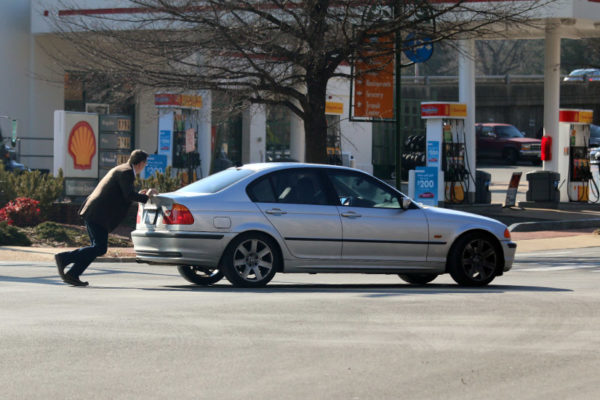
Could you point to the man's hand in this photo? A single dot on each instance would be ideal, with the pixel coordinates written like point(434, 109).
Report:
point(152, 192)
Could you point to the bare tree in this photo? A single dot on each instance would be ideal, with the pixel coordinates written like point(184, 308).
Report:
point(267, 51)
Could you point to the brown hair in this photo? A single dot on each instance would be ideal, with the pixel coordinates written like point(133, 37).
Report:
point(137, 156)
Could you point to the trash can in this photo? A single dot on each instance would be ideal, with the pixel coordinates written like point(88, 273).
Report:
point(482, 187)
point(543, 186)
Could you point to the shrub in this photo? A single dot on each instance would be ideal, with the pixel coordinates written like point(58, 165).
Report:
point(53, 231)
point(11, 236)
point(44, 188)
point(164, 183)
point(22, 211)
point(7, 189)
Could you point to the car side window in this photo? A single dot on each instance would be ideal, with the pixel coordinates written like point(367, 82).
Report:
point(261, 191)
point(289, 187)
point(358, 190)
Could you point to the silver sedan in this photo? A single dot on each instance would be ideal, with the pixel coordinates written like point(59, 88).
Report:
point(250, 222)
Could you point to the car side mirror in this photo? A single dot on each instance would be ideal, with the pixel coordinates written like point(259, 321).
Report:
point(406, 202)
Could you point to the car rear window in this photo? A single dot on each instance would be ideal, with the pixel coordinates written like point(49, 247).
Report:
point(217, 182)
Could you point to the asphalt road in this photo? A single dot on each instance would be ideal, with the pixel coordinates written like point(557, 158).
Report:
point(142, 332)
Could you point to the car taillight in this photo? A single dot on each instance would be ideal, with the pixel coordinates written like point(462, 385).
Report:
point(507, 233)
point(138, 219)
point(178, 215)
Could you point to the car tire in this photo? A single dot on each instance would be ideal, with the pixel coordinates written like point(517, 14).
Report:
point(474, 260)
point(511, 156)
point(204, 276)
point(417, 279)
point(251, 260)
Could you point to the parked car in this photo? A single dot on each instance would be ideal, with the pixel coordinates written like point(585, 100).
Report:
point(594, 144)
point(248, 223)
point(583, 75)
point(506, 142)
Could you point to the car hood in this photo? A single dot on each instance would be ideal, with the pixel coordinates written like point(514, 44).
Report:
point(465, 220)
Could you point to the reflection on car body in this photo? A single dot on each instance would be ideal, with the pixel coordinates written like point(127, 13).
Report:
point(249, 222)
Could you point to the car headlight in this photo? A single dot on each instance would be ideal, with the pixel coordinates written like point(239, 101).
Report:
point(525, 147)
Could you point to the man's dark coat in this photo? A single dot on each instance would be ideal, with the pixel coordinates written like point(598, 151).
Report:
point(109, 202)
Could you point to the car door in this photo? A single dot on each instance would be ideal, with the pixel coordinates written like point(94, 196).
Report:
point(297, 205)
point(485, 141)
point(374, 225)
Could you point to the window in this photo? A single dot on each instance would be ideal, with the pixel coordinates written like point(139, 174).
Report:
point(296, 186)
point(216, 182)
point(358, 190)
point(508, 131)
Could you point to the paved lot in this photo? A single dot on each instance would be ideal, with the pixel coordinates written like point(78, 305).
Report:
point(141, 332)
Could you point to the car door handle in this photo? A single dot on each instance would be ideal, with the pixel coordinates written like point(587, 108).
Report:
point(276, 211)
point(351, 214)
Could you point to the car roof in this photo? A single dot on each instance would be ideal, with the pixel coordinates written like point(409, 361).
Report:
point(274, 166)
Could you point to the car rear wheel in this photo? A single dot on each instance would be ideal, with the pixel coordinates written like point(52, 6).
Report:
point(251, 260)
point(200, 275)
point(473, 260)
point(417, 279)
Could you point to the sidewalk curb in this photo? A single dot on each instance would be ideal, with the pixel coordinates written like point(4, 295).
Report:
point(554, 225)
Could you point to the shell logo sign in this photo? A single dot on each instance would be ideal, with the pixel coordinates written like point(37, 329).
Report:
point(76, 144)
point(82, 145)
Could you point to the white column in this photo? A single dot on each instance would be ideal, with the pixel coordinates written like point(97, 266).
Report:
point(205, 132)
point(552, 95)
point(254, 134)
point(297, 139)
point(466, 94)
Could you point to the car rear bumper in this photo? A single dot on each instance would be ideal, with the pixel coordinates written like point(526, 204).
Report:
point(179, 248)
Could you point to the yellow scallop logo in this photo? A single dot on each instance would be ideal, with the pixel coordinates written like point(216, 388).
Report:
point(82, 145)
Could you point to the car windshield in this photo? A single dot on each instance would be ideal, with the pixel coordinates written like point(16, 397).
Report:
point(216, 182)
point(595, 131)
point(508, 131)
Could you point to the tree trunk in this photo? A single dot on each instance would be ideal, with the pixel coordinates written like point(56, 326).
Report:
point(315, 123)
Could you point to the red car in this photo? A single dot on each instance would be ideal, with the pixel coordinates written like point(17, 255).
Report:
point(506, 142)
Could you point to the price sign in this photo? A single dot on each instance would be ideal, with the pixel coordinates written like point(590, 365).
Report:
point(124, 142)
point(124, 124)
point(426, 185)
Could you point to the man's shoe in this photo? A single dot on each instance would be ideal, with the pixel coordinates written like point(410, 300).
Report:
point(61, 264)
point(71, 280)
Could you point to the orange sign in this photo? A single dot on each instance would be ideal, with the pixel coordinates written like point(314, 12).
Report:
point(334, 107)
point(576, 116)
point(82, 145)
point(177, 100)
point(439, 110)
point(374, 85)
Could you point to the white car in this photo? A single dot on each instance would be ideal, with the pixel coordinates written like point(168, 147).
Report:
point(248, 223)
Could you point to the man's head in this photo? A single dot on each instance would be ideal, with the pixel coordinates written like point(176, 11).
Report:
point(138, 159)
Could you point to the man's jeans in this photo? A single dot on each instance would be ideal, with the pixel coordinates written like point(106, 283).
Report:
point(84, 256)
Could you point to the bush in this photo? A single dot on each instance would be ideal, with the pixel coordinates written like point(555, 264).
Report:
point(7, 189)
point(44, 188)
point(22, 211)
point(11, 236)
point(53, 231)
point(164, 183)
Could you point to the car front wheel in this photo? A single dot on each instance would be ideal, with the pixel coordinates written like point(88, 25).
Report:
point(474, 260)
point(417, 279)
point(251, 260)
point(200, 275)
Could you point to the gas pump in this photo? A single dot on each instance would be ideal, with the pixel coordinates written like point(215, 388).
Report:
point(446, 148)
point(574, 161)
